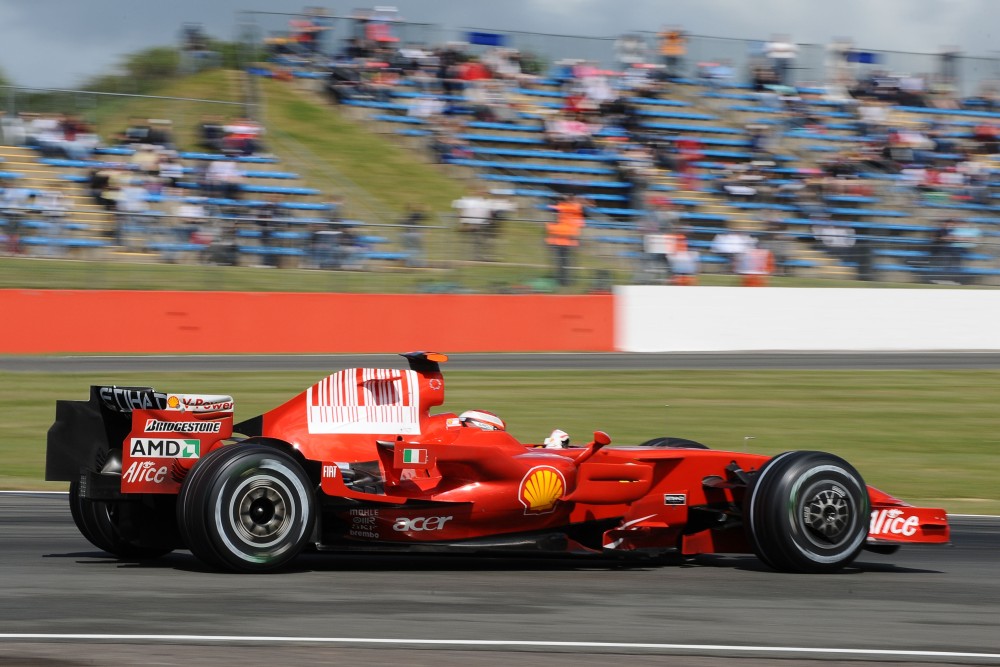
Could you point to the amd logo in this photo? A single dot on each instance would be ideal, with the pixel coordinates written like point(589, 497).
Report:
point(151, 448)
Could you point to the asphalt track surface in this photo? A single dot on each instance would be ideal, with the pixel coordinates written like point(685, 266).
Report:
point(546, 361)
point(66, 603)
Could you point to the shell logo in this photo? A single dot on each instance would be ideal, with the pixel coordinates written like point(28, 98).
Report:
point(173, 402)
point(540, 489)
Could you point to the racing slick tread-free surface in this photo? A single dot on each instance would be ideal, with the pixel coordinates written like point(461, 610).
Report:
point(807, 512)
point(98, 522)
point(246, 508)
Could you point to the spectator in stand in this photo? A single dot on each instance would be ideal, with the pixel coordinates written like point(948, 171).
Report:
point(171, 169)
point(131, 206)
point(635, 168)
point(685, 263)
point(212, 134)
point(413, 234)
point(563, 234)
point(731, 244)
point(837, 239)
point(473, 70)
point(380, 82)
point(446, 145)
point(689, 152)
point(14, 205)
point(137, 132)
point(659, 229)
point(476, 221)
point(161, 133)
point(505, 64)
point(78, 140)
point(781, 51)
point(564, 132)
point(755, 265)
point(266, 217)
point(945, 254)
point(489, 101)
point(52, 207)
point(223, 178)
point(630, 50)
point(426, 107)
point(45, 133)
point(13, 129)
point(780, 241)
point(673, 48)
point(243, 136)
point(986, 135)
point(146, 160)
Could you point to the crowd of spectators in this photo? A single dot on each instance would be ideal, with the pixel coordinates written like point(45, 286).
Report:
point(596, 111)
point(599, 111)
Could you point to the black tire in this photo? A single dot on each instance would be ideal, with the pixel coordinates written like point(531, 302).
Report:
point(673, 443)
point(98, 521)
point(807, 512)
point(247, 508)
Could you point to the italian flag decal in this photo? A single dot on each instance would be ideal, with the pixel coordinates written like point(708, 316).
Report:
point(414, 456)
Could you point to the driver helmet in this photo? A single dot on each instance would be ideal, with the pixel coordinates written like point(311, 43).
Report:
point(482, 419)
point(557, 440)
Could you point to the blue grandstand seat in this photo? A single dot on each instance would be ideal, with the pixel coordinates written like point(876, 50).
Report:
point(547, 154)
point(653, 101)
point(949, 112)
point(271, 250)
point(514, 127)
point(389, 118)
point(165, 246)
point(683, 127)
point(555, 182)
point(499, 138)
point(385, 255)
point(372, 104)
point(528, 166)
point(681, 115)
point(254, 159)
point(278, 190)
point(65, 242)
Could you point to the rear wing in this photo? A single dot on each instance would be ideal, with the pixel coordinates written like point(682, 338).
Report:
point(132, 430)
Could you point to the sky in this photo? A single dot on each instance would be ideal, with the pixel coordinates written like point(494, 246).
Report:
point(60, 43)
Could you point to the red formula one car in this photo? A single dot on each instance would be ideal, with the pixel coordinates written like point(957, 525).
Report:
point(358, 462)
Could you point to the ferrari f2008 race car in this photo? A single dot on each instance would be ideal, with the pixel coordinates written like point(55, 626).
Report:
point(358, 462)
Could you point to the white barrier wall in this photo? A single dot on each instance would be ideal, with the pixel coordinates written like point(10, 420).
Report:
point(696, 319)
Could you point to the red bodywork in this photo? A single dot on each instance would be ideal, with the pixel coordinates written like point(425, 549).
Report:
point(434, 480)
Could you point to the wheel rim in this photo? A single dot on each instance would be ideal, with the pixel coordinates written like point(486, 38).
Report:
point(262, 511)
point(827, 515)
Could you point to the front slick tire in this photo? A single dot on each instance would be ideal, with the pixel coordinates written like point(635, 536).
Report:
point(807, 512)
point(247, 508)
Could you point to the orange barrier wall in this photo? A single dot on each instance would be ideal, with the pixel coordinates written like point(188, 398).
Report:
point(68, 321)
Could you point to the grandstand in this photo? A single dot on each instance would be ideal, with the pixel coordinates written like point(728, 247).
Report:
point(516, 159)
point(783, 167)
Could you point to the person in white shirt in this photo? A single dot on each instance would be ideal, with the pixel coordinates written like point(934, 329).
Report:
point(781, 51)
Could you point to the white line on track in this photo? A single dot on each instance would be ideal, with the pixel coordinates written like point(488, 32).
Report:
point(496, 643)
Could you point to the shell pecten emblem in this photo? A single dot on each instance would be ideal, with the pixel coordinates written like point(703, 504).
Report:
point(540, 489)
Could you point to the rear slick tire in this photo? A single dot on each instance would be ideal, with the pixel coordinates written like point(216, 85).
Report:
point(247, 508)
point(807, 512)
point(98, 521)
